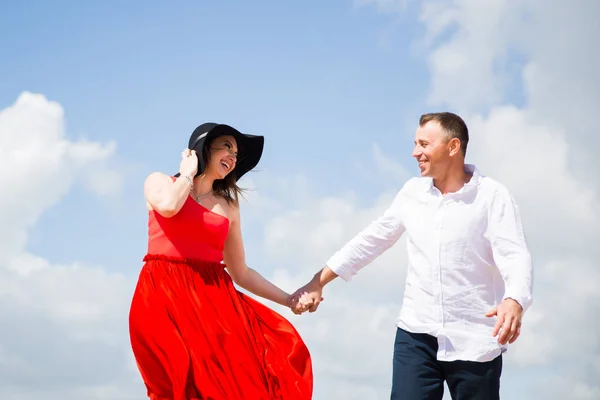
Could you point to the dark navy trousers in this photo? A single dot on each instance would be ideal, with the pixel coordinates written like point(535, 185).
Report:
point(418, 375)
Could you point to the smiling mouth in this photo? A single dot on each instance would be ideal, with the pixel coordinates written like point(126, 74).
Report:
point(226, 165)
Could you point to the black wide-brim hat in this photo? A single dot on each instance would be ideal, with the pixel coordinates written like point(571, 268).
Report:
point(250, 147)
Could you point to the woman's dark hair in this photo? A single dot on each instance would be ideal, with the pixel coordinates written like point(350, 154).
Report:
point(227, 187)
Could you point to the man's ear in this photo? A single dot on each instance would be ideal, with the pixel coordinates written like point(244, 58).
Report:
point(454, 146)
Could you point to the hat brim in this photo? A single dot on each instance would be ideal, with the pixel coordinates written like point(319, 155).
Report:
point(250, 148)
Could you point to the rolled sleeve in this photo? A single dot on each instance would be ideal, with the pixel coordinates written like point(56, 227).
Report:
point(371, 242)
point(510, 251)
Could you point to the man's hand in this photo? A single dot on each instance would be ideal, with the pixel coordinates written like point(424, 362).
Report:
point(509, 314)
point(311, 295)
point(311, 292)
point(299, 302)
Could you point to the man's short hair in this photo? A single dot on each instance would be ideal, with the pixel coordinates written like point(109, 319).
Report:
point(454, 126)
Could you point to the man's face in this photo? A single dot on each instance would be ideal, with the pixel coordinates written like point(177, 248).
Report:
point(431, 149)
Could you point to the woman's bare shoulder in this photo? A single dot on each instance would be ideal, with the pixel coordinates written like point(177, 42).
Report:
point(232, 211)
point(158, 178)
point(154, 184)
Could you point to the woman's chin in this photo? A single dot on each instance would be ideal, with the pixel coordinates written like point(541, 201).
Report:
point(222, 175)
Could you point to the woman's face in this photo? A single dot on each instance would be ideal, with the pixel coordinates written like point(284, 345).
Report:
point(223, 156)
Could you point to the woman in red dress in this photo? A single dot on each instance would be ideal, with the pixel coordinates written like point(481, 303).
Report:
point(194, 336)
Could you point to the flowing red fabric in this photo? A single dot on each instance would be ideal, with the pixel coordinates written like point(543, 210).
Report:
point(194, 336)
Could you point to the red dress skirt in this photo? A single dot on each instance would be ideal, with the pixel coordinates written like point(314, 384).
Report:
point(194, 336)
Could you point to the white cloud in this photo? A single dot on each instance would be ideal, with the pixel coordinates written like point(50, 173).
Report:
point(545, 153)
point(534, 161)
point(38, 164)
point(62, 325)
point(351, 336)
point(542, 145)
point(386, 165)
point(72, 343)
point(469, 71)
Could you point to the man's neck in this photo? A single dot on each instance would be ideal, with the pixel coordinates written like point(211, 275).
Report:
point(453, 181)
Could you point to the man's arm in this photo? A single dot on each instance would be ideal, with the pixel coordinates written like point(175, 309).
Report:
point(513, 260)
point(370, 243)
point(509, 248)
point(376, 238)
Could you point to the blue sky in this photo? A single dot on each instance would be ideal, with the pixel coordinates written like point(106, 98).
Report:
point(321, 83)
point(337, 88)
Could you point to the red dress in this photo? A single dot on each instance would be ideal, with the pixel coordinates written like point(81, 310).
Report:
point(194, 336)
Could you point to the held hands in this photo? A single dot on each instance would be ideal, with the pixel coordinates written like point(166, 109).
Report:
point(307, 298)
point(509, 314)
point(300, 302)
point(189, 163)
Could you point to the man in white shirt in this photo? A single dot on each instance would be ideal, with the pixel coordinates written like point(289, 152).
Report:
point(469, 278)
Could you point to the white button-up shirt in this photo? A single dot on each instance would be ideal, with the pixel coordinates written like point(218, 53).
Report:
point(466, 253)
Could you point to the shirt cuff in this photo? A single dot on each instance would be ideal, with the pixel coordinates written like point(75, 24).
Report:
point(341, 268)
point(523, 300)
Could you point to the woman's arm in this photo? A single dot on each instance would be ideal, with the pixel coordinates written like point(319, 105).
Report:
point(165, 195)
point(242, 275)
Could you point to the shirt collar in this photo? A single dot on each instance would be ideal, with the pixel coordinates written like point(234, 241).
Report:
point(476, 178)
point(472, 184)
